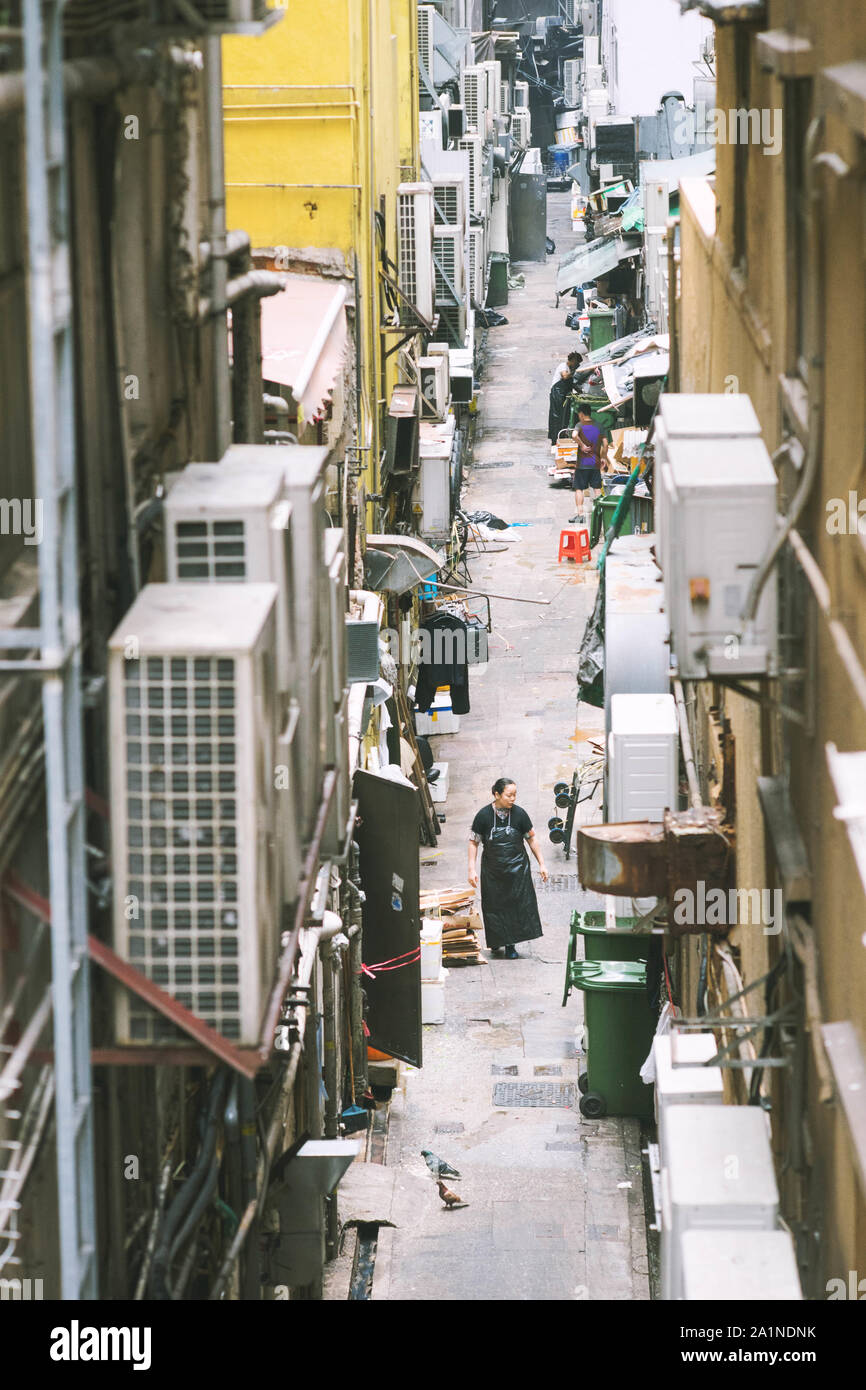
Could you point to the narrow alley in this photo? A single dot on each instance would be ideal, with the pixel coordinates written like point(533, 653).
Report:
point(555, 1207)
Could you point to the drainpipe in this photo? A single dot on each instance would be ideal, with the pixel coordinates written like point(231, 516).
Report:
point(221, 410)
point(356, 996)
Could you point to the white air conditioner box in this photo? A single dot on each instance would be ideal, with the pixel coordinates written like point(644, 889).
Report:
point(473, 147)
point(224, 529)
point(695, 416)
point(740, 1267)
point(426, 43)
point(477, 266)
point(493, 71)
point(192, 741)
point(433, 374)
point(682, 1076)
point(450, 194)
point(719, 520)
point(521, 96)
point(718, 1174)
point(643, 758)
point(449, 266)
point(636, 650)
point(473, 98)
point(415, 245)
point(432, 493)
point(303, 469)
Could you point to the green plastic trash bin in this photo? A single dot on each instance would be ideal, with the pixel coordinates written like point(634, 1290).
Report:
point(601, 944)
point(602, 328)
point(620, 1028)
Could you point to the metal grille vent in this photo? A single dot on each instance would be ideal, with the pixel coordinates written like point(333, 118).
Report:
point(211, 550)
point(446, 204)
point(182, 854)
point(425, 37)
point(445, 252)
point(406, 237)
point(470, 144)
point(472, 94)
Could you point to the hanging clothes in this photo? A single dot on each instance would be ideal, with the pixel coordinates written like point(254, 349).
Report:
point(508, 903)
point(447, 643)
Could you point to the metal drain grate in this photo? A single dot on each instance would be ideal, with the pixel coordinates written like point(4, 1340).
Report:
point(534, 1093)
point(494, 463)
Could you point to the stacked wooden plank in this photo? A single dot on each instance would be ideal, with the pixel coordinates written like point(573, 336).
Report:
point(455, 908)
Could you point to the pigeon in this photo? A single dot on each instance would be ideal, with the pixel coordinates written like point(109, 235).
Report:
point(450, 1198)
point(438, 1167)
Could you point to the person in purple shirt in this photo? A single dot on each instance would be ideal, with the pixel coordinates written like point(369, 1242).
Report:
point(587, 473)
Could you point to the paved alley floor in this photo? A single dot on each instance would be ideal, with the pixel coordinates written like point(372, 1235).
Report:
point(555, 1202)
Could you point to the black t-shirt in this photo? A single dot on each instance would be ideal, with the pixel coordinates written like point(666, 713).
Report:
point(484, 821)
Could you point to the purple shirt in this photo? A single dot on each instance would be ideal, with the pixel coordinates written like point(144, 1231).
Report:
point(590, 434)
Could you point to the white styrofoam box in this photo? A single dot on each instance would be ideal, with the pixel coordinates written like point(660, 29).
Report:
point(439, 788)
point(682, 1078)
point(642, 776)
point(440, 718)
point(718, 1173)
point(431, 948)
point(433, 999)
point(741, 1266)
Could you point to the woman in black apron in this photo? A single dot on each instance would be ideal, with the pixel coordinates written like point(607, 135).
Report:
point(508, 901)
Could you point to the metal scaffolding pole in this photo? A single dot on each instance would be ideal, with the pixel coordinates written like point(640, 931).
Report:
point(59, 636)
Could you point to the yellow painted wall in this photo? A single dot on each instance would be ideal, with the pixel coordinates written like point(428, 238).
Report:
point(735, 334)
point(328, 97)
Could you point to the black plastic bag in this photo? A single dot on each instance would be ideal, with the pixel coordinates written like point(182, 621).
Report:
point(489, 318)
point(590, 658)
point(486, 519)
point(551, 246)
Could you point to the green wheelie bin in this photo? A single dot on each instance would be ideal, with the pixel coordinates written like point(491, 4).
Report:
point(620, 1028)
point(601, 944)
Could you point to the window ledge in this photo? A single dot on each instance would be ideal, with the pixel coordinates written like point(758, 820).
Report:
point(786, 55)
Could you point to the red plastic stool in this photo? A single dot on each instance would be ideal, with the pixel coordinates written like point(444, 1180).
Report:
point(574, 545)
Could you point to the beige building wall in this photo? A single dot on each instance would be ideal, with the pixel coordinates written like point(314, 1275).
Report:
point(742, 269)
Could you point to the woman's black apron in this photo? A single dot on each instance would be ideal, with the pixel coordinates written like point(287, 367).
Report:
point(508, 902)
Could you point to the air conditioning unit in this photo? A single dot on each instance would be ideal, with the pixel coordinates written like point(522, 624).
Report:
point(449, 259)
point(431, 126)
point(449, 201)
point(477, 266)
point(592, 52)
point(462, 381)
point(740, 1266)
point(433, 372)
point(683, 1077)
point(718, 495)
point(456, 122)
point(473, 98)
point(521, 128)
point(643, 758)
point(718, 1175)
point(521, 96)
point(472, 146)
point(493, 71)
point(504, 98)
point(432, 493)
point(221, 529)
point(426, 47)
point(337, 567)
point(303, 469)
point(415, 245)
point(193, 726)
point(571, 69)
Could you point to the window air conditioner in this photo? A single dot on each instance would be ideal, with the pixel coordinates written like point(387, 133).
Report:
point(521, 96)
point(415, 245)
point(471, 145)
point(426, 50)
point(217, 530)
point(192, 745)
point(718, 1175)
point(449, 201)
point(717, 518)
point(433, 372)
